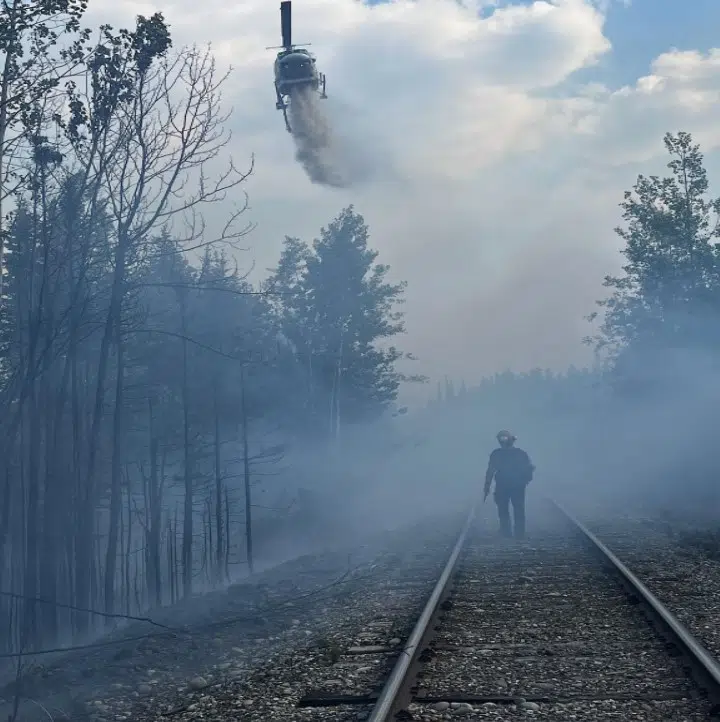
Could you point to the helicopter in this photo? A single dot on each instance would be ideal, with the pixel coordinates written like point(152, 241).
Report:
point(294, 66)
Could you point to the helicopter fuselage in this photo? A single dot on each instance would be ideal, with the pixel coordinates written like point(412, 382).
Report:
point(295, 67)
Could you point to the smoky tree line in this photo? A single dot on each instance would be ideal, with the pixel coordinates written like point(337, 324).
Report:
point(659, 325)
point(146, 387)
point(654, 388)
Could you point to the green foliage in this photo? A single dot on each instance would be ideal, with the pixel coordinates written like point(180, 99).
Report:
point(117, 68)
point(336, 307)
point(29, 30)
point(670, 291)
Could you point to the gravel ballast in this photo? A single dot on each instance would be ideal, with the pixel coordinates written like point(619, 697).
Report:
point(682, 575)
point(540, 629)
point(540, 625)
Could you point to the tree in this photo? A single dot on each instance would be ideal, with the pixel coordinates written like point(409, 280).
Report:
point(128, 155)
point(337, 308)
point(30, 30)
point(144, 389)
point(670, 291)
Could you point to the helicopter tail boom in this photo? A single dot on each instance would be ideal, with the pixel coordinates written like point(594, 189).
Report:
point(286, 24)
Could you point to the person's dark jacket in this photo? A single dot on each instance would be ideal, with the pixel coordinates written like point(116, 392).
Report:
point(509, 466)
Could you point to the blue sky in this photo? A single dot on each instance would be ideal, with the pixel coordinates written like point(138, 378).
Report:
point(643, 29)
point(480, 200)
point(647, 28)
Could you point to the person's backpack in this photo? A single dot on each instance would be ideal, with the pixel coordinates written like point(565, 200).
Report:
point(514, 465)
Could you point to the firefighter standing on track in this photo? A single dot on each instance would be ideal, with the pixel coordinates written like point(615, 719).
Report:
point(513, 471)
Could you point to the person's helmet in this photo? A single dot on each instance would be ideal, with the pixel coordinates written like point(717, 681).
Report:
point(505, 438)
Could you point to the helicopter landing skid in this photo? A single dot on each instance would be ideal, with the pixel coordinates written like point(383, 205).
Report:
point(282, 105)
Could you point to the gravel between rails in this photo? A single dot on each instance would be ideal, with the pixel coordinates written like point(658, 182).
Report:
point(545, 625)
point(683, 577)
point(253, 650)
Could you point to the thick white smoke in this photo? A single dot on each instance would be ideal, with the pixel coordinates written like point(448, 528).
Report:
point(314, 140)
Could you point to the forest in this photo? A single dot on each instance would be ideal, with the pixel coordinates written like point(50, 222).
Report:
point(147, 388)
point(643, 420)
point(150, 394)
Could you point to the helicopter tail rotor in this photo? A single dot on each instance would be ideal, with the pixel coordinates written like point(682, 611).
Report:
point(286, 24)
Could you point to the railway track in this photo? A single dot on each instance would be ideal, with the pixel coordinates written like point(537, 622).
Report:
point(555, 628)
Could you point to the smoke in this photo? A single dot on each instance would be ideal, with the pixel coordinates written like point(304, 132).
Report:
point(316, 148)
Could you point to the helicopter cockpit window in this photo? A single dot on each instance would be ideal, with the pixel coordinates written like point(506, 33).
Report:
point(296, 67)
point(293, 60)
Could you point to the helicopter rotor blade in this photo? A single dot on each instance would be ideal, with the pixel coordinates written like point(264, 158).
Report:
point(286, 24)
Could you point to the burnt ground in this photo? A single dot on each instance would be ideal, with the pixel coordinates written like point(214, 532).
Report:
point(222, 633)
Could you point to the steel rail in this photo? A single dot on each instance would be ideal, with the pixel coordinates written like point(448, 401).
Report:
point(390, 694)
point(703, 667)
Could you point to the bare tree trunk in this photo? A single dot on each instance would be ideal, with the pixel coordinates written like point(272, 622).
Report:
point(115, 477)
point(32, 445)
point(4, 533)
point(139, 602)
point(121, 543)
point(112, 324)
point(128, 542)
point(187, 542)
point(170, 561)
point(218, 490)
point(227, 535)
point(246, 473)
point(208, 543)
point(32, 524)
point(96, 572)
point(84, 538)
point(175, 555)
point(55, 509)
point(154, 522)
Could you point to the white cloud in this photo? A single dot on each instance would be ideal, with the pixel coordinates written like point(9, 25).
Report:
point(494, 180)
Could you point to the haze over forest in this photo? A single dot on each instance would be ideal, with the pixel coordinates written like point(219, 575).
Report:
point(204, 357)
point(494, 150)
